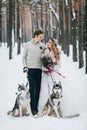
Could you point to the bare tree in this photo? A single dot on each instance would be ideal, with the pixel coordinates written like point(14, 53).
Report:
point(85, 37)
point(81, 61)
point(0, 22)
point(18, 30)
point(74, 24)
point(10, 28)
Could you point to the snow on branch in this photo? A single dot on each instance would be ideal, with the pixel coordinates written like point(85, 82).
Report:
point(54, 14)
point(47, 1)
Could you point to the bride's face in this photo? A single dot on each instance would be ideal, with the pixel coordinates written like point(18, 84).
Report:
point(49, 44)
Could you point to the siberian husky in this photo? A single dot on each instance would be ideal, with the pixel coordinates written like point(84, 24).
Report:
point(53, 105)
point(22, 103)
point(53, 102)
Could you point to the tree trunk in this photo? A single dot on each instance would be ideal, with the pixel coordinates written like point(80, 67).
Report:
point(86, 36)
point(64, 26)
point(74, 42)
point(14, 20)
point(67, 29)
point(10, 29)
point(81, 62)
point(0, 22)
point(18, 30)
point(61, 28)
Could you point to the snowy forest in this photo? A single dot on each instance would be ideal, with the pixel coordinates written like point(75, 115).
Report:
point(64, 20)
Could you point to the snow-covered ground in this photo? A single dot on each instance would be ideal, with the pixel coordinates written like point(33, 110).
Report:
point(75, 82)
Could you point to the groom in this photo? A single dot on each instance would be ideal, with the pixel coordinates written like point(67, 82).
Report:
point(31, 64)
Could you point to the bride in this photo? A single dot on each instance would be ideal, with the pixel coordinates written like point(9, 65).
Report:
point(50, 60)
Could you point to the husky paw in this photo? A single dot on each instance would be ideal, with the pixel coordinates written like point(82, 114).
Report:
point(27, 114)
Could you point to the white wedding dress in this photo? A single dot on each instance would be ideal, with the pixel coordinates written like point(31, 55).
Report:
point(69, 103)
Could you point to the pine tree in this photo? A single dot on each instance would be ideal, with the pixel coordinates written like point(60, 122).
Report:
point(10, 28)
point(86, 36)
point(0, 22)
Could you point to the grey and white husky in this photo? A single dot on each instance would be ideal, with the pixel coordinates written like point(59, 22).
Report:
point(22, 103)
point(53, 103)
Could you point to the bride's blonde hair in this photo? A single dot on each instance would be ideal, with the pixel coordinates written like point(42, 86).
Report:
point(55, 49)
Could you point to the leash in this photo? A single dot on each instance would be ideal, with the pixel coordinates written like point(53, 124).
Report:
point(50, 70)
point(52, 78)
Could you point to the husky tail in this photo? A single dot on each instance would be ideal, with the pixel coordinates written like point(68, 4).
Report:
point(71, 116)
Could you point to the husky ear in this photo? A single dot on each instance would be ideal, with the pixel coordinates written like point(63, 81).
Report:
point(59, 83)
point(24, 87)
point(54, 84)
point(18, 84)
point(23, 84)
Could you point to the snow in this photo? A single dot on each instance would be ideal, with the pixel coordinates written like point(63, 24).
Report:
point(75, 83)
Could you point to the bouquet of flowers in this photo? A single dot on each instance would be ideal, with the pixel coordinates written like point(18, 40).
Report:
point(47, 62)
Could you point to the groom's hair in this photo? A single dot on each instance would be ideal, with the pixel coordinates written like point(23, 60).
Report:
point(38, 32)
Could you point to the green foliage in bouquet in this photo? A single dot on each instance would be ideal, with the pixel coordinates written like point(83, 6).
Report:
point(47, 62)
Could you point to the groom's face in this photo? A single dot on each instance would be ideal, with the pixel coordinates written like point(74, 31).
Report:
point(39, 38)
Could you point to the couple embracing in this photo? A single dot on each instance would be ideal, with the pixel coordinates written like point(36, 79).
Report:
point(35, 55)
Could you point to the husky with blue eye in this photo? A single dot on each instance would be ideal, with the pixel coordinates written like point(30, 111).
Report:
point(53, 102)
point(22, 103)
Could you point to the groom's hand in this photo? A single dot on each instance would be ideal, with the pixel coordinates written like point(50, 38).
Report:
point(25, 69)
